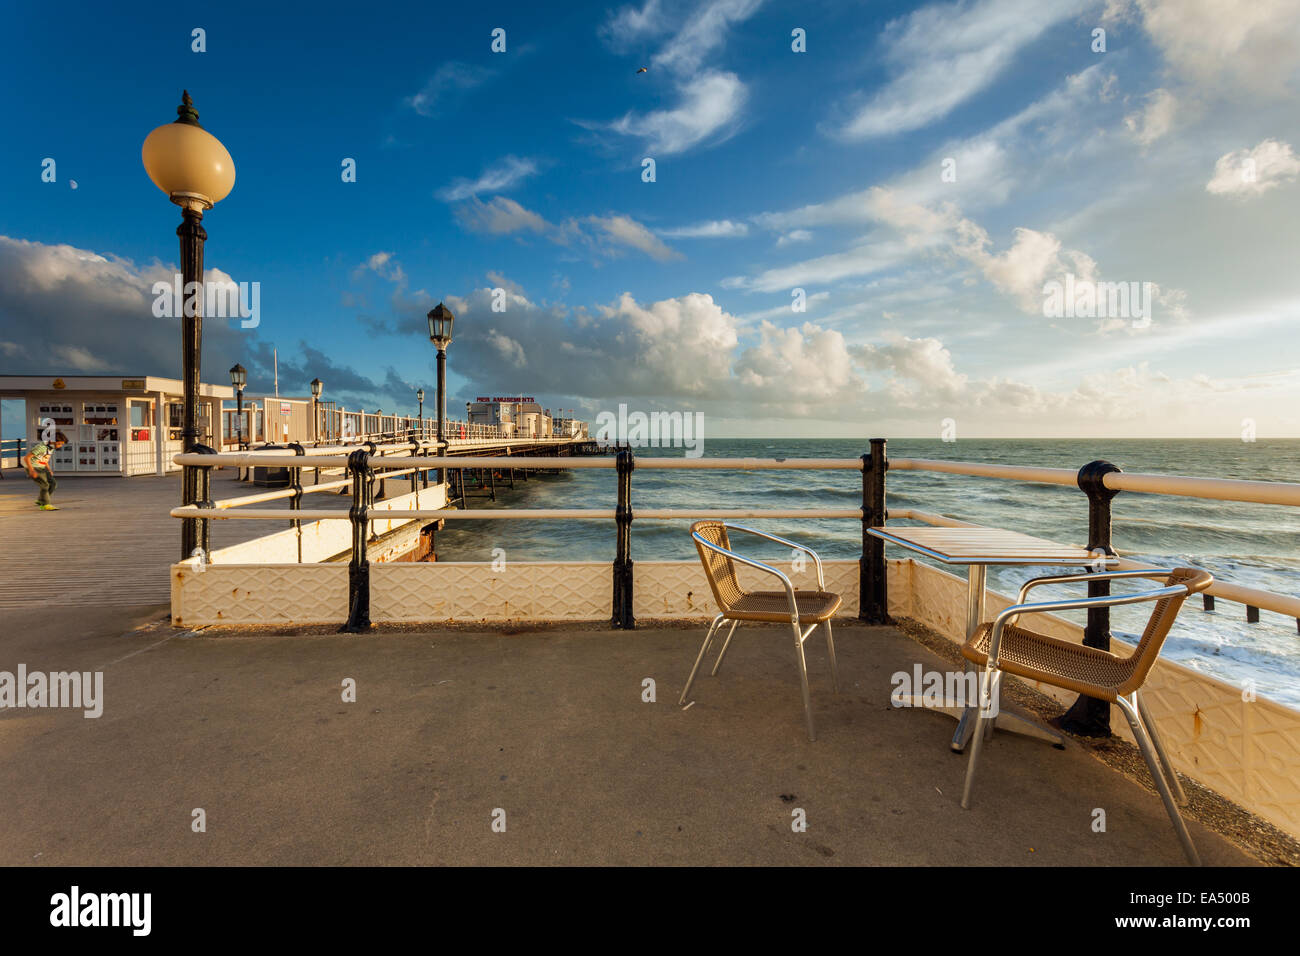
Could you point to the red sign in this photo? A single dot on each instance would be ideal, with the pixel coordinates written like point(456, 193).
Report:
point(518, 400)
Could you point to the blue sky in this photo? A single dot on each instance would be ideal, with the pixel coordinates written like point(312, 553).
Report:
point(775, 170)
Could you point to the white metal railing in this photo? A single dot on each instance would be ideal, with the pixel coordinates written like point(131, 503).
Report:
point(1219, 489)
point(1260, 492)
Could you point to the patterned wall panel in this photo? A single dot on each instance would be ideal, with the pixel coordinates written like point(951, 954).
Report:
point(259, 594)
point(678, 590)
point(465, 591)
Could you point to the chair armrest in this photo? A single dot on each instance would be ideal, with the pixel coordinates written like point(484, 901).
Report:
point(789, 588)
point(1091, 576)
point(1015, 610)
point(821, 578)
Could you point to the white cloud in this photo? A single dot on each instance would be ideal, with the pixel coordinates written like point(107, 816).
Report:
point(712, 229)
point(630, 24)
point(509, 350)
point(794, 235)
point(1223, 46)
point(78, 358)
point(384, 265)
point(625, 231)
point(804, 364)
point(500, 176)
point(1155, 119)
point(451, 78)
point(604, 235)
point(859, 261)
point(710, 99)
point(52, 296)
point(704, 30)
point(500, 216)
point(689, 351)
point(1019, 271)
point(1251, 172)
point(990, 166)
point(944, 54)
point(918, 366)
point(708, 108)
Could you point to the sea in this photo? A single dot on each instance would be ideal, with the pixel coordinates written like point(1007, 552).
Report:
point(1248, 544)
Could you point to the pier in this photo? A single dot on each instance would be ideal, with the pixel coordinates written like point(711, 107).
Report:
point(524, 673)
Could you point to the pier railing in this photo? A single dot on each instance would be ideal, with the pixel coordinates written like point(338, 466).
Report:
point(1099, 481)
point(11, 452)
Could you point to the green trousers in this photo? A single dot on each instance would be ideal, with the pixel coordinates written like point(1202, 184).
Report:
point(45, 479)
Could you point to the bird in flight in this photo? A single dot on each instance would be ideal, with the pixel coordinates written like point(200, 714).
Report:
point(642, 70)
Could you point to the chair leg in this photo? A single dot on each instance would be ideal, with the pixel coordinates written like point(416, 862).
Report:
point(1157, 774)
point(723, 653)
point(699, 657)
point(1180, 796)
point(830, 652)
point(803, 682)
point(990, 690)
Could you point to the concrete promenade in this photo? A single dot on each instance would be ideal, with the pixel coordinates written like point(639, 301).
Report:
point(548, 726)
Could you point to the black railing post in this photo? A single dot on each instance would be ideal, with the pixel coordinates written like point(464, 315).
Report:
point(873, 573)
point(295, 500)
point(623, 550)
point(415, 475)
point(359, 566)
point(1087, 716)
point(202, 499)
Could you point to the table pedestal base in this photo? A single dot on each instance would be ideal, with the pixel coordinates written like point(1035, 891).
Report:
point(966, 716)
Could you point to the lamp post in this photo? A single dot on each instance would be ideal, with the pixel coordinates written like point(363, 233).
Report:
point(238, 379)
point(440, 323)
point(419, 396)
point(317, 386)
point(196, 172)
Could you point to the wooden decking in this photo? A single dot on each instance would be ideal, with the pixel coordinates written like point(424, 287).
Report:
point(112, 540)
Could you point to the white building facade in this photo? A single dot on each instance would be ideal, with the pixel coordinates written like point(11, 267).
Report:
point(115, 425)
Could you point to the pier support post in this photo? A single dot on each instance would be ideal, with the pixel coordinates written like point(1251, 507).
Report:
point(359, 567)
point(1087, 716)
point(295, 500)
point(623, 551)
point(873, 579)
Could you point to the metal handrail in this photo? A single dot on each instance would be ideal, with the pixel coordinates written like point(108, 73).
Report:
point(1218, 489)
point(1260, 492)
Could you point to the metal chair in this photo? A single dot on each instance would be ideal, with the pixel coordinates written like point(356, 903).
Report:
point(777, 607)
point(1001, 647)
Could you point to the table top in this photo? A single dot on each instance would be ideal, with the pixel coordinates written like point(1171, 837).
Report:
point(987, 546)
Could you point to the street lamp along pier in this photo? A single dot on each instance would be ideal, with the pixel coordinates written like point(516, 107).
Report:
point(441, 321)
point(196, 172)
